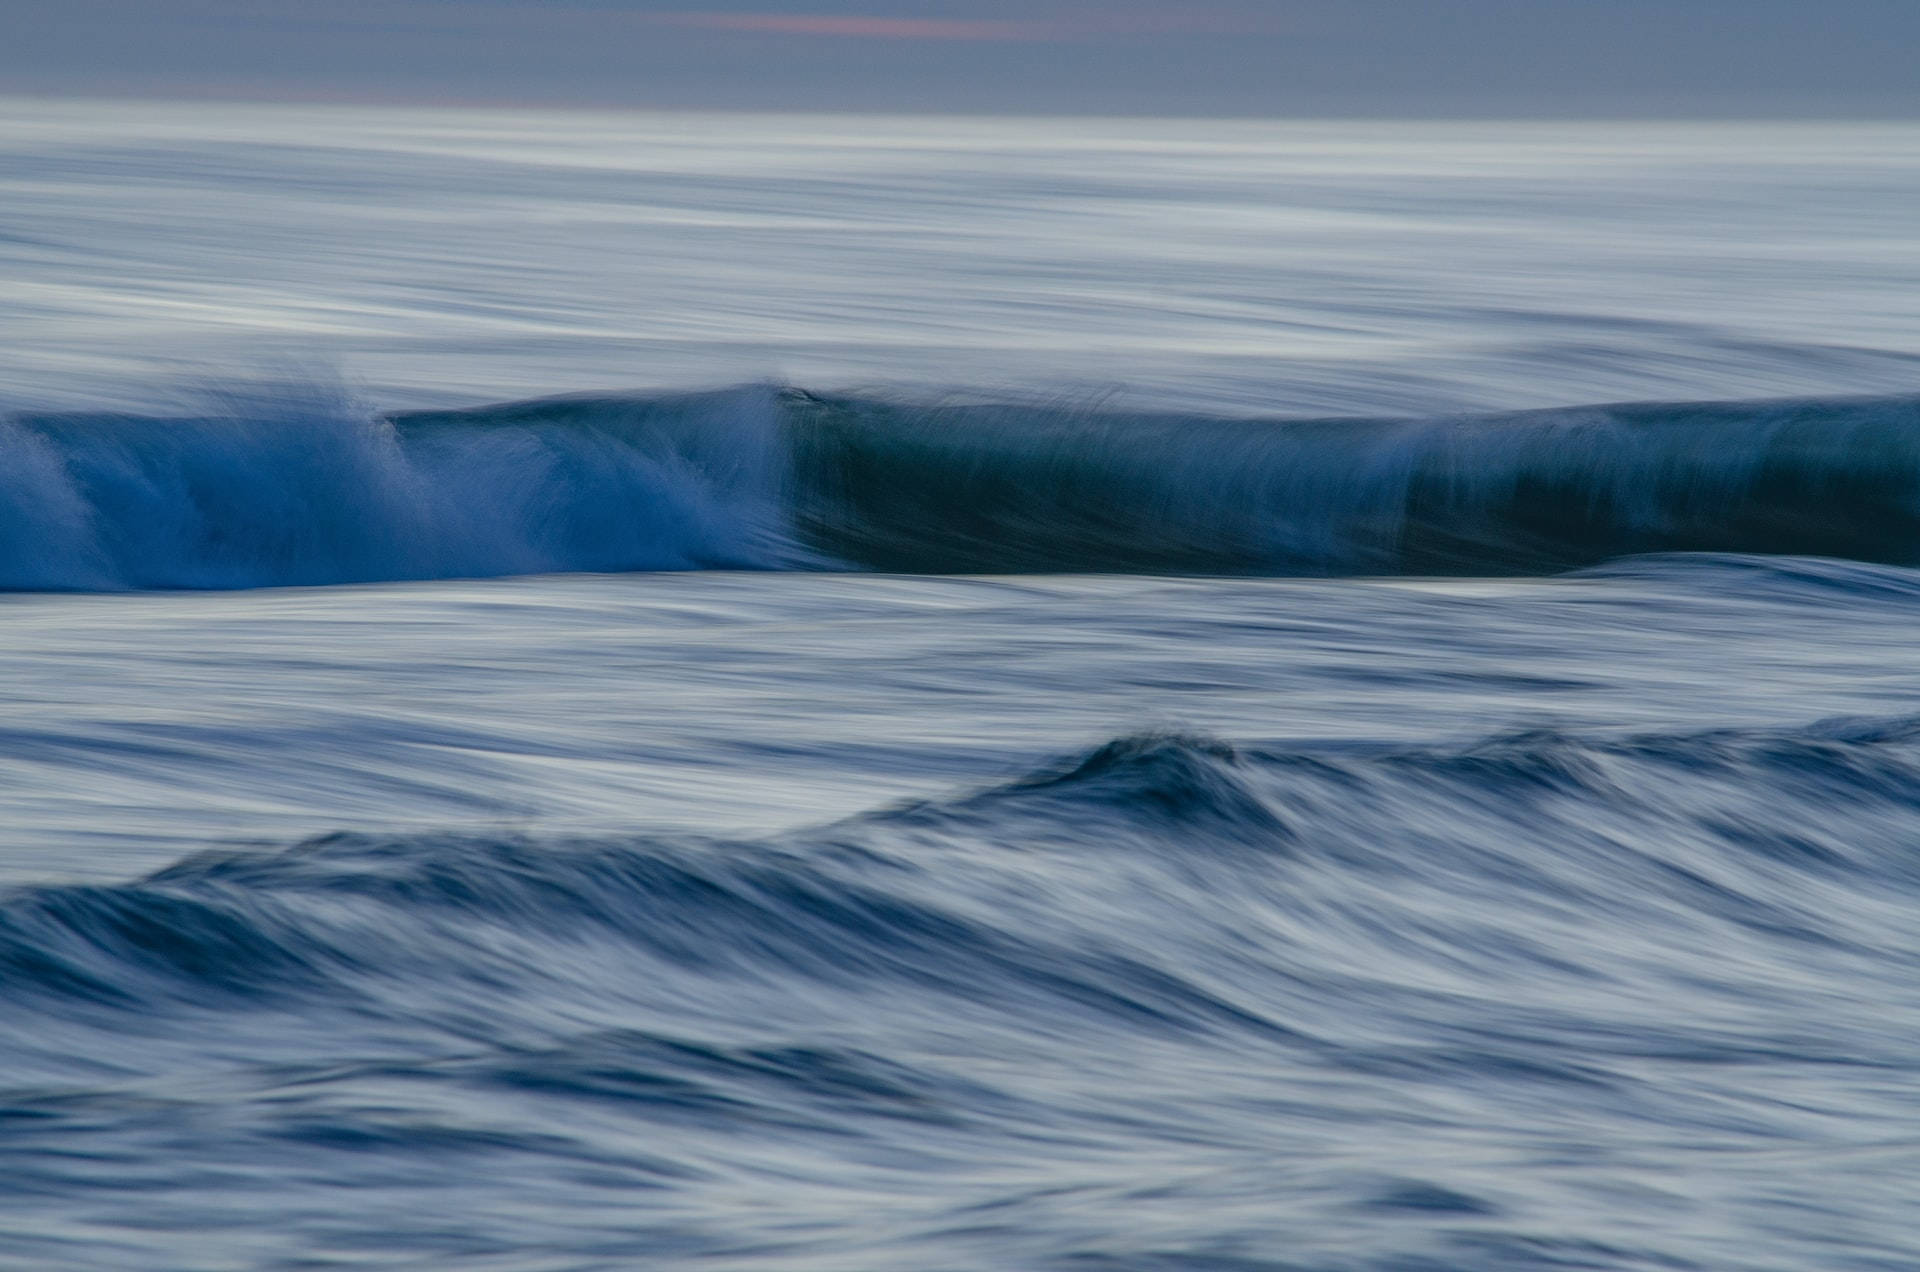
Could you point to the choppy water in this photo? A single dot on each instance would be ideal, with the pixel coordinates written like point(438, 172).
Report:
point(1156, 726)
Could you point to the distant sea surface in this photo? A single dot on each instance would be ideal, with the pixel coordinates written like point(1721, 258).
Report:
point(742, 692)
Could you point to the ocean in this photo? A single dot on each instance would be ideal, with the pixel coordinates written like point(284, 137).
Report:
point(604, 691)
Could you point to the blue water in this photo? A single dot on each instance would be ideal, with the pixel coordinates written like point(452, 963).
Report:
point(724, 692)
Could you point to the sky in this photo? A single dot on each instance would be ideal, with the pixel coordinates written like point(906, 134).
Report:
point(1406, 58)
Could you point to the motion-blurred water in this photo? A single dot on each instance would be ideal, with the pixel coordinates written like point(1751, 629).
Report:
point(1166, 731)
point(1403, 268)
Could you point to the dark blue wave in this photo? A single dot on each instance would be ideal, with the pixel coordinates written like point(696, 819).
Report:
point(996, 489)
point(302, 488)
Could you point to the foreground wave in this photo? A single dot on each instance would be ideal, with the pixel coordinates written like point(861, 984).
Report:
point(1172, 1003)
point(302, 488)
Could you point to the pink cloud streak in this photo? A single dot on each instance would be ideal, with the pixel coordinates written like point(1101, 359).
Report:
point(1080, 26)
point(866, 28)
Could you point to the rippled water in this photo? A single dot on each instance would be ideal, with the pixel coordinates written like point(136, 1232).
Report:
point(1059, 789)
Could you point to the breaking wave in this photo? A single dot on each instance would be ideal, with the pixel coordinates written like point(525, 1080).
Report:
point(304, 488)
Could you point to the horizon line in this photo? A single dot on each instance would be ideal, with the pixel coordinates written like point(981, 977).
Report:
point(218, 97)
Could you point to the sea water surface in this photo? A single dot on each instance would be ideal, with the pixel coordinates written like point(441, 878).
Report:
point(623, 691)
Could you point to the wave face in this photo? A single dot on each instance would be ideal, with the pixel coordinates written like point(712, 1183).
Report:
point(1168, 1003)
point(304, 489)
point(993, 488)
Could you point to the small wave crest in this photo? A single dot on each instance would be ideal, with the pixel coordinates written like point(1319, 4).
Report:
point(1000, 893)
